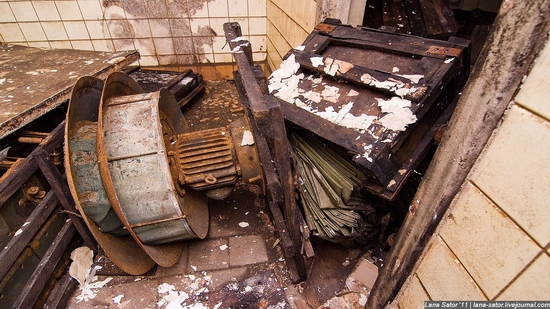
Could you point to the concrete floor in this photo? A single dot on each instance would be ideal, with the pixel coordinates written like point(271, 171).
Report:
point(239, 264)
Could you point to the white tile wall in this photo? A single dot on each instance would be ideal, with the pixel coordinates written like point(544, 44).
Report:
point(68, 10)
point(23, 11)
point(155, 27)
point(33, 31)
point(91, 9)
point(46, 10)
point(6, 13)
point(55, 31)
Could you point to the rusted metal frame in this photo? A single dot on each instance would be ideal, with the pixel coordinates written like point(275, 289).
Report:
point(275, 195)
point(21, 173)
point(61, 189)
point(61, 292)
point(38, 279)
point(355, 73)
point(15, 246)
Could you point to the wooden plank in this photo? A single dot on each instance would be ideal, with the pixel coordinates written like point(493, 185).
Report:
point(414, 14)
point(38, 80)
point(61, 189)
point(395, 43)
point(15, 178)
point(281, 153)
point(244, 62)
point(395, 15)
point(356, 74)
point(15, 246)
point(34, 286)
point(438, 18)
point(61, 293)
point(275, 194)
point(373, 14)
point(479, 110)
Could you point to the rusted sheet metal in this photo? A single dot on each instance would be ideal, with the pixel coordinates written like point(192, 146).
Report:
point(444, 51)
point(322, 27)
point(35, 81)
point(84, 178)
point(135, 171)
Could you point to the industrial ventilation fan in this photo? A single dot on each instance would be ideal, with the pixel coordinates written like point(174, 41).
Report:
point(140, 177)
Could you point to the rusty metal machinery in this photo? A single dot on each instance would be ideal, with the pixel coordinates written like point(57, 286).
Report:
point(140, 177)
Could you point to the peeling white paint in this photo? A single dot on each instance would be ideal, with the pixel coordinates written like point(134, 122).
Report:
point(353, 93)
point(118, 298)
point(248, 139)
point(300, 48)
point(398, 114)
point(449, 60)
point(173, 299)
point(415, 78)
point(316, 61)
point(243, 224)
point(238, 39)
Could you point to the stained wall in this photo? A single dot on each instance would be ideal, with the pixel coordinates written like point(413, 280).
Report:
point(165, 32)
point(288, 24)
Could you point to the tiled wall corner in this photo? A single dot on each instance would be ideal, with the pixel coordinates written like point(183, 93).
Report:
point(497, 225)
point(474, 231)
point(535, 91)
point(511, 171)
point(414, 296)
point(444, 277)
point(171, 32)
point(288, 24)
point(532, 284)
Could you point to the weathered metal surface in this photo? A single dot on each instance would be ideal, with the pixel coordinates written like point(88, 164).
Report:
point(206, 159)
point(246, 151)
point(185, 86)
point(135, 171)
point(84, 179)
point(35, 81)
